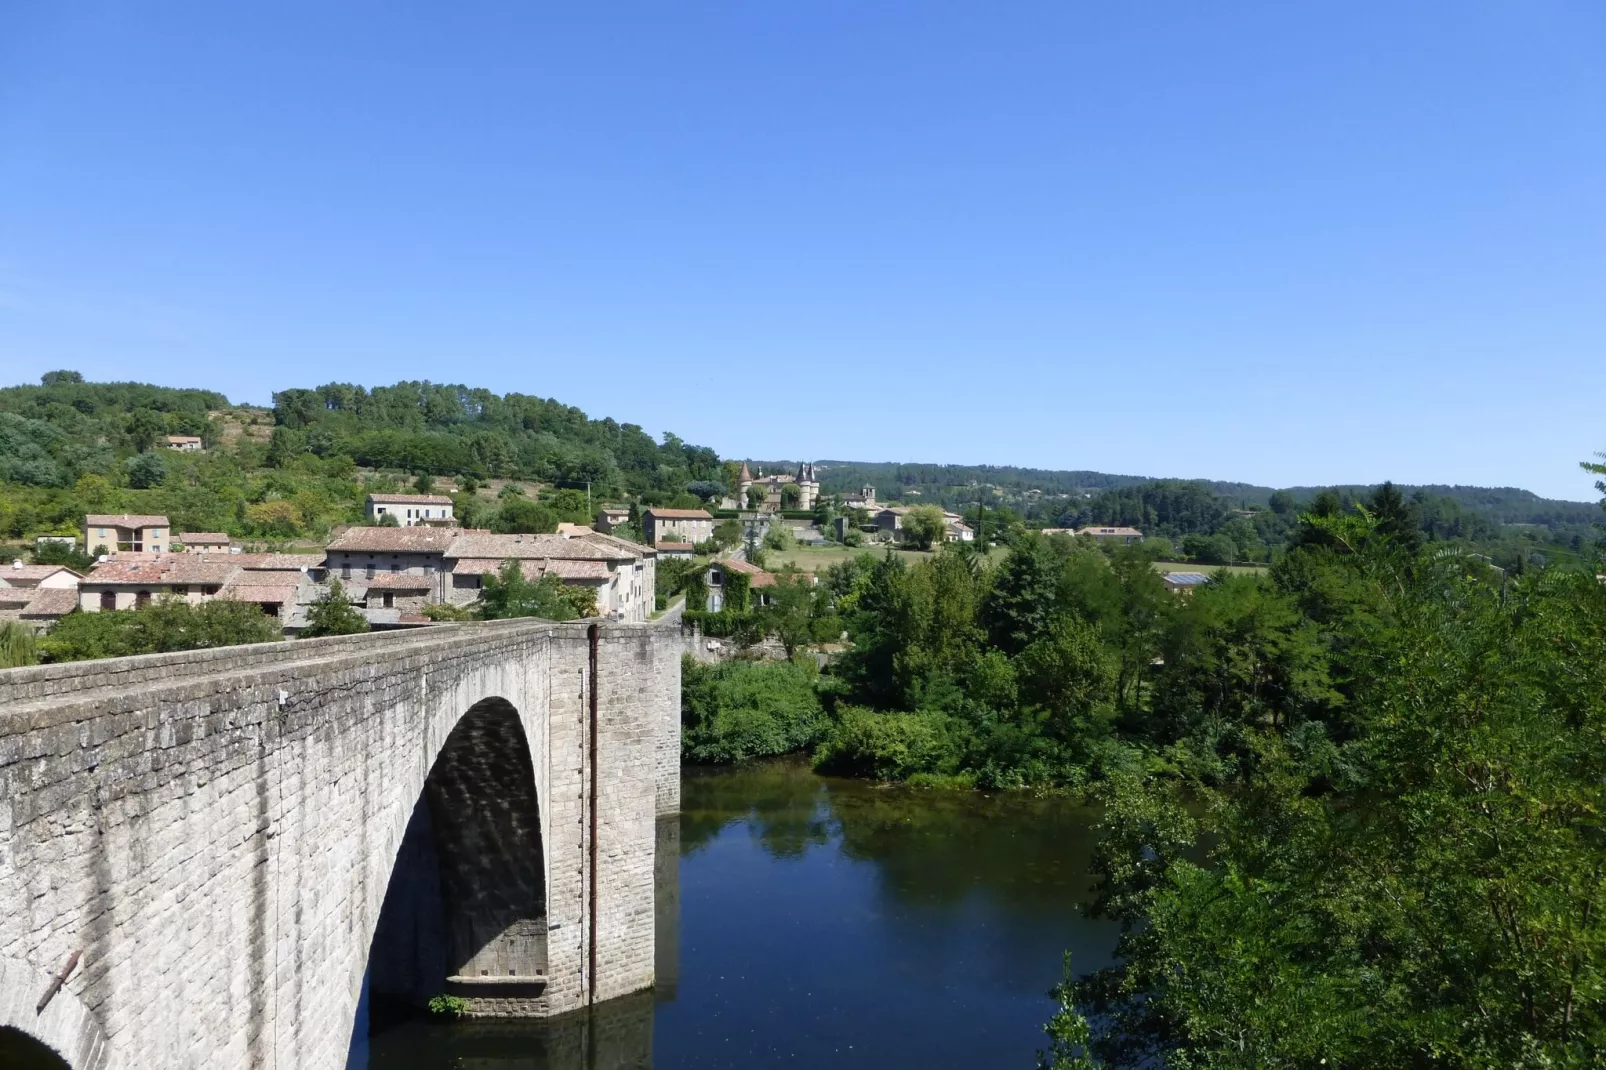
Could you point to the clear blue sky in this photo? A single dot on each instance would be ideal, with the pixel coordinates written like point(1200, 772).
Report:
point(1283, 243)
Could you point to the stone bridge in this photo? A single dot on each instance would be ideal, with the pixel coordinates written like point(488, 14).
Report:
point(217, 848)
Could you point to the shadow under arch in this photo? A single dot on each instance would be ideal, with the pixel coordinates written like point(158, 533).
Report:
point(62, 1035)
point(465, 908)
point(19, 1051)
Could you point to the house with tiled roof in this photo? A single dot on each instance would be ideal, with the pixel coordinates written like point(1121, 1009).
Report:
point(33, 577)
point(138, 533)
point(203, 542)
point(759, 581)
point(687, 525)
point(132, 581)
point(410, 509)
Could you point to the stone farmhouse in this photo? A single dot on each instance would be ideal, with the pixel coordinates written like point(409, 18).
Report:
point(672, 525)
point(410, 509)
point(184, 443)
point(126, 533)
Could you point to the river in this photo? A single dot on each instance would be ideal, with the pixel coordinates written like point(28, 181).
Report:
point(823, 922)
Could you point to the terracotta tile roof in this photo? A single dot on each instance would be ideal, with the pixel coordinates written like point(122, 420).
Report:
point(736, 564)
point(501, 547)
point(614, 542)
point(533, 568)
point(51, 602)
point(269, 578)
point(572, 530)
point(133, 570)
point(31, 575)
point(411, 499)
point(15, 597)
point(679, 514)
point(674, 547)
point(415, 540)
point(203, 538)
point(273, 562)
point(124, 520)
point(396, 581)
point(283, 594)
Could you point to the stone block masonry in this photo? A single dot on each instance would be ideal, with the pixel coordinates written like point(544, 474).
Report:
point(217, 831)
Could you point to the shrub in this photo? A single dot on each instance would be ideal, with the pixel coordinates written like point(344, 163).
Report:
point(886, 746)
point(444, 1006)
point(17, 645)
point(747, 709)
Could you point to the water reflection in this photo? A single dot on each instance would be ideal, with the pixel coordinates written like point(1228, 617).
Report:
point(805, 921)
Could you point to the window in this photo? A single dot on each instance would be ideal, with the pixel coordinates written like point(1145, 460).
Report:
point(345, 571)
point(390, 600)
point(102, 532)
point(108, 600)
point(142, 599)
point(716, 578)
point(212, 590)
point(370, 571)
point(181, 589)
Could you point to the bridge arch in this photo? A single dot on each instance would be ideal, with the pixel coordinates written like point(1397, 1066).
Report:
point(65, 1027)
point(465, 905)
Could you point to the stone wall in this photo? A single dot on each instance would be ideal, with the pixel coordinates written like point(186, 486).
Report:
point(216, 830)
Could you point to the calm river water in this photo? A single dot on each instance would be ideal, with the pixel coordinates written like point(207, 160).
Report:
point(817, 922)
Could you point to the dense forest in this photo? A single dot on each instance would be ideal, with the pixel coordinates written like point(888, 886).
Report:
point(68, 447)
point(1218, 522)
point(1353, 804)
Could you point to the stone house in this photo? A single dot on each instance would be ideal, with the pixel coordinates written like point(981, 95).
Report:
point(676, 550)
point(184, 443)
point(126, 533)
point(357, 555)
point(666, 525)
point(410, 509)
point(400, 591)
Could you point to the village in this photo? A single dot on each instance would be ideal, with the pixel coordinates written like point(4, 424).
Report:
point(411, 554)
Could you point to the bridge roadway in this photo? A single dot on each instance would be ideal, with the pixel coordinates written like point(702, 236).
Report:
point(217, 836)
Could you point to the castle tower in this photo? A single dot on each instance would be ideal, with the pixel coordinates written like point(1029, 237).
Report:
point(808, 485)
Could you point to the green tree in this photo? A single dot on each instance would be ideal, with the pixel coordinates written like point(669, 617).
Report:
point(1599, 470)
point(1021, 604)
point(520, 516)
point(424, 483)
point(1396, 517)
point(146, 470)
point(1423, 886)
point(925, 526)
point(755, 496)
point(791, 494)
point(743, 709)
point(510, 594)
point(332, 614)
